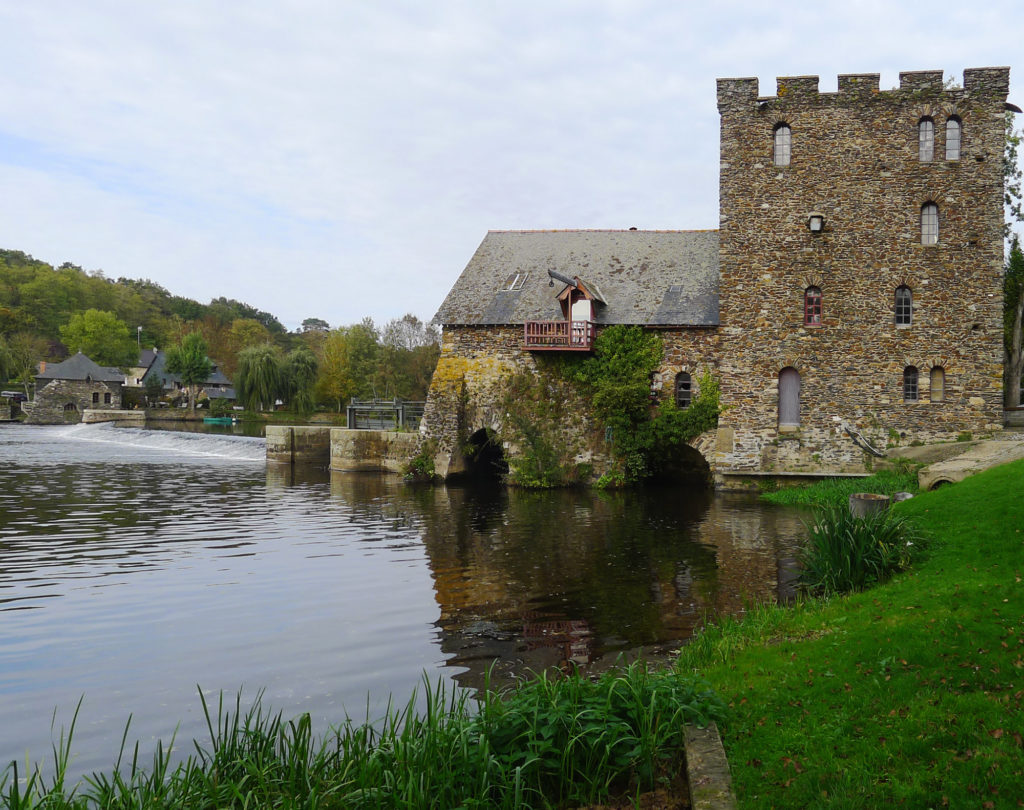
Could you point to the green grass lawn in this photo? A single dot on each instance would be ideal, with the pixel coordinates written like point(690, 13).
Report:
point(906, 694)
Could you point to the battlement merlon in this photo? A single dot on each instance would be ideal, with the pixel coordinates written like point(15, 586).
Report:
point(741, 94)
point(993, 81)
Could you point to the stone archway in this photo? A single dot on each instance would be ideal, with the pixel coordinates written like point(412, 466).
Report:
point(71, 413)
point(484, 457)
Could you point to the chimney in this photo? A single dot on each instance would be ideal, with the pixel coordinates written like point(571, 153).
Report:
point(42, 366)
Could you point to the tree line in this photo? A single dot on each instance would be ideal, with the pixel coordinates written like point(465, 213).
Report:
point(49, 313)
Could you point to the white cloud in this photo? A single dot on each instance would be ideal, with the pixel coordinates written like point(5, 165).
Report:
point(342, 159)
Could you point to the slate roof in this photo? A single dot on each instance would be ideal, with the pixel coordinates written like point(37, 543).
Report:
point(80, 367)
point(650, 278)
point(157, 369)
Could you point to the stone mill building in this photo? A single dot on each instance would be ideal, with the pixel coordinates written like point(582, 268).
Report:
point(850, 300)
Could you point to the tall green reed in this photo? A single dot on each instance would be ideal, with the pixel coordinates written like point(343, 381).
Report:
point(846, 553)
point(543, 743)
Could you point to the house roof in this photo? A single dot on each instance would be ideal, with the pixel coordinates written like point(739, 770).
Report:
point(80, 367)
point(158, 369)
point(651, 278)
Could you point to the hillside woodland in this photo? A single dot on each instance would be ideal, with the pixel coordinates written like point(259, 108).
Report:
point(48, 313)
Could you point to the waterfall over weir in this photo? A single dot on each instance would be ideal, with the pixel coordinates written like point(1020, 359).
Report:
point(211, 445)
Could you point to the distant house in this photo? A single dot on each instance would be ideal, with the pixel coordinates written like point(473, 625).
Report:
point(216, 386)
point(136, 374)
point(64, 390)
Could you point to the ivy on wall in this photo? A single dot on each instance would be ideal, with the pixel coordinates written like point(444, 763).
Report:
point(604, 401)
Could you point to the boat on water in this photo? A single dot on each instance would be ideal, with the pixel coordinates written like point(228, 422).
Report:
point(218, 420)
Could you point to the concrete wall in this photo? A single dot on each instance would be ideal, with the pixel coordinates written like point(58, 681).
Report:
point(308, 444)
point(371, 450)
point(94, 415)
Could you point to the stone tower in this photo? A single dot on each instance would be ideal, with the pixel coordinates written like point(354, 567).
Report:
point(861, 257)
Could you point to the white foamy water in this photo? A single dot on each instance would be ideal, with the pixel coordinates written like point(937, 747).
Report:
point(210, 445)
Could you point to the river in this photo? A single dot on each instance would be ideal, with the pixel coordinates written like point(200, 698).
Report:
point(138, 566)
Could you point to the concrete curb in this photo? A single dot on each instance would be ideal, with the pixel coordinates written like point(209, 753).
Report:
point(707, 770)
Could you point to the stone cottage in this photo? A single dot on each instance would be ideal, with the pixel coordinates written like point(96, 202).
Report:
point(64, 390)
point(851, 300)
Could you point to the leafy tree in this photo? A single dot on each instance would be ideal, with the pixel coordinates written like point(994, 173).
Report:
point(1013, 197)
point(300, 371)
point(154, 388)
point(102, 337)
point(259, 380)
point(25, 350)
point(348, 364)
point(315, 325)
point(190, 362)
point(1013, 315)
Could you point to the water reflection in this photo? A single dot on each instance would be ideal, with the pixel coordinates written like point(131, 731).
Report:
point(568, 577)
point(529, 580)
point(134, 566)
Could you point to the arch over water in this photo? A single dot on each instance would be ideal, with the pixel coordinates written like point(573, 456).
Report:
point(484, 456)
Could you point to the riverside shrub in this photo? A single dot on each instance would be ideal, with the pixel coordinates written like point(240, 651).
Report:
point(846, 553)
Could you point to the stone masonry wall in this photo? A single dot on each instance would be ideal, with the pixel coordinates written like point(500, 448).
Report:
point(855, 161)
point(48, 406)
point(468, 388)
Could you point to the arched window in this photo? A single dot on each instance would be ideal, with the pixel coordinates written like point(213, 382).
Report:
point(926, 140)
point(789, 397)
point(812, 306)
point(929, 224)
point(904, 308)
point(910, 384)
point(937, 384)
point(953, 131)
point(684, 389)
point(783, 144)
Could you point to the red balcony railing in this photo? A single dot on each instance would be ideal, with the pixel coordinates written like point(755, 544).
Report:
point(562, 336)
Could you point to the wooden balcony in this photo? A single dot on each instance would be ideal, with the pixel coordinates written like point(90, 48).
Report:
point(558, 336)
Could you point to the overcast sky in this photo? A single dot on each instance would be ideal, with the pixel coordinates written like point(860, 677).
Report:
point(342, 159)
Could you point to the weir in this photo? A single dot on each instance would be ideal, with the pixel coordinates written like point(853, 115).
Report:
point(238, 448)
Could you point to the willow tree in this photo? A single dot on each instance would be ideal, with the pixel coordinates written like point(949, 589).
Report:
point(300, 370)
point(260, 378)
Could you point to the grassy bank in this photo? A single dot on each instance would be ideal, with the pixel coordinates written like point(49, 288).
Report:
point(836, 491)
point(546, 743)
point(909, 693)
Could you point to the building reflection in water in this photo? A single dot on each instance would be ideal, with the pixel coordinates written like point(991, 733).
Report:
point(530, 580)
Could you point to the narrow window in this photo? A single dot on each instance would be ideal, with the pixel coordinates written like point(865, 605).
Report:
point(812, 306)
point(910, 384)
point(926, 140)
point(937, 384)
point(106, 398)
point(929, 224)
point(953, 129)
point(789, 397)
point(783, 144)
point(684, 389)
point(904, 305)
point(95, 398)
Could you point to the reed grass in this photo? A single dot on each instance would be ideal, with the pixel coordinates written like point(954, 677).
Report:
point(846, 553)
point(547, 742)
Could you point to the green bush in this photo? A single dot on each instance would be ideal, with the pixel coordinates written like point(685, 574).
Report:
point(846, 553)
